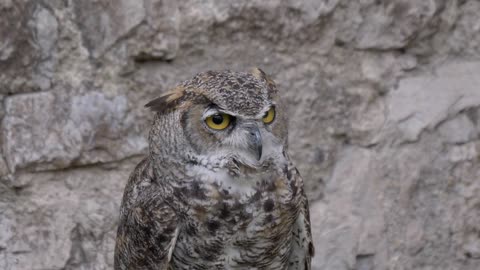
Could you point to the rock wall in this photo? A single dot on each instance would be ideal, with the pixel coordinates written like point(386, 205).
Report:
point(385, 119)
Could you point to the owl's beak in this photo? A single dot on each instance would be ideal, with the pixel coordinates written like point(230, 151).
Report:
point(254, 140)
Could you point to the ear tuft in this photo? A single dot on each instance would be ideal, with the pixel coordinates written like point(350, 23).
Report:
point(166, 101)
point(261, 75)
point(258, 73)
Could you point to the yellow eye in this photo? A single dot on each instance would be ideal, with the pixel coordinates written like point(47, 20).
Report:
point(269, 116)
point(218, 121)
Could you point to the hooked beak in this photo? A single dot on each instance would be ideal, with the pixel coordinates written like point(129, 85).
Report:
point(254, 140)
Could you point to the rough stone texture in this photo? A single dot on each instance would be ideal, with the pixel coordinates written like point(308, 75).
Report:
point(77, 130)
point(384, 98)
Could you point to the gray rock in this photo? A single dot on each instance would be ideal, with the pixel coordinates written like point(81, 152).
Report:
point(19, 55)
point(383, 98)
point(46, 33)
point(458, 130)
point(3, 167)
point(51, 130)
point(423, 102)
point(7, 225)
point(68, 225)
point(464, 152)
point(103, 24)
point(347, 227)
point(392, 24)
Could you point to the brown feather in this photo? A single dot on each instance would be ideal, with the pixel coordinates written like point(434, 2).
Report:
point(261, 75)
point(167, 101)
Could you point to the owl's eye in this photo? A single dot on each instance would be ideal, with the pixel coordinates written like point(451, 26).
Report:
point(269, 116)
point(218, 121)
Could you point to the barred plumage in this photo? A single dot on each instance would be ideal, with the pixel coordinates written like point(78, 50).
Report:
point(207, 198)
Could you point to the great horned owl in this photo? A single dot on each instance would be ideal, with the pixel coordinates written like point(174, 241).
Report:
point(217, 190)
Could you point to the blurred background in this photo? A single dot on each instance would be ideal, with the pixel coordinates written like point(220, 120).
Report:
point(384, 104)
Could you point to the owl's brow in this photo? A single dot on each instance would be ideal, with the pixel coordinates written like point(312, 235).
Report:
point(213, 108)
point(266, 109)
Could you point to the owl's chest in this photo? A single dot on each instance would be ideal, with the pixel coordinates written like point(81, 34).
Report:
point(233, 203)
point(237, 223)
point(235, 210)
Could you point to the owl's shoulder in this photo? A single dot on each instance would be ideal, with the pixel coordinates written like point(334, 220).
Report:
point(139, 184)
point(146, 218)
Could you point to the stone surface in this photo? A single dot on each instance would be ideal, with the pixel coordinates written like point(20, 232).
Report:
point(53, 130)
point(423, 102)
point(384, 104)
point(65, 220)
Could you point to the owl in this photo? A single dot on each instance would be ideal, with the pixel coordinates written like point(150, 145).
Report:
point(217, 189)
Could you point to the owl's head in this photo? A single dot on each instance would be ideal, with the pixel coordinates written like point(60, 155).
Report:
point(220, 116)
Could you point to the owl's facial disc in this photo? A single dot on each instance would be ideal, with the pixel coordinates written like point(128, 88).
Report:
point(246, 139)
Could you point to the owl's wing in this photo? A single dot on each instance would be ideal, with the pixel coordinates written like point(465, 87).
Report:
point(148, 227)
point(302, 249)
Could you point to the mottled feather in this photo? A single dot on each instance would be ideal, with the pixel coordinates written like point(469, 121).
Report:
point(207, 199)
point(148, 225)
